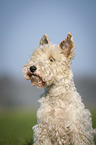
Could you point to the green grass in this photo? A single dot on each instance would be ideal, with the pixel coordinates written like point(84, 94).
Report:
point(94, 122)
point(16, 127)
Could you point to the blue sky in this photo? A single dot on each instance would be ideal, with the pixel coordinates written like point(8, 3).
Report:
point(23, 23)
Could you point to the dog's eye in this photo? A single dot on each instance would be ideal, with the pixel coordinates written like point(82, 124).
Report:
point(51, 59)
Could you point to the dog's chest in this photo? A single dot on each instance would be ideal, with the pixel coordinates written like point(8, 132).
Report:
point(54, 112)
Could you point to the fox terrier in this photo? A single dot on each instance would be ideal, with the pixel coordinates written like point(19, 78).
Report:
point(62, 117)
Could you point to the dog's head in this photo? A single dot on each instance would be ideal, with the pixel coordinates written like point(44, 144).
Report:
point(50, 63)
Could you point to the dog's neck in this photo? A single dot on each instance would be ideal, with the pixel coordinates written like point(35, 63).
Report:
point(60, 87)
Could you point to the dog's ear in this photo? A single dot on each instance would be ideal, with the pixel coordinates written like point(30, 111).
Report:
point(44, 40)
point(67, 46)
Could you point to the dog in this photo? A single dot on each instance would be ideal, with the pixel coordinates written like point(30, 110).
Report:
point(62, 117)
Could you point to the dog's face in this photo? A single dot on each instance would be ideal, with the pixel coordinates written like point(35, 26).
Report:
point(49, 62)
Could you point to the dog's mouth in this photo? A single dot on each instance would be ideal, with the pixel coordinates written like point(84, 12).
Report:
point(36, 80)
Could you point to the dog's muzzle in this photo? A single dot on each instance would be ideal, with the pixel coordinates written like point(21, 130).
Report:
point(35, 78)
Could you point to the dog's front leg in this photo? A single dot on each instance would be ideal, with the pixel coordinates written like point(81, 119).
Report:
point(41, 135)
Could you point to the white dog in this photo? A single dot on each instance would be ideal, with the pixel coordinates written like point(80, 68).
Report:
point(62, 117)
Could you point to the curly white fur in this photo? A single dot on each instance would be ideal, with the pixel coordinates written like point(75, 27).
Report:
point(62, 117)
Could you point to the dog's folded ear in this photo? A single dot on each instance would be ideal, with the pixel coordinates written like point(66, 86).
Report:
point(44, 40)
point(67, 46)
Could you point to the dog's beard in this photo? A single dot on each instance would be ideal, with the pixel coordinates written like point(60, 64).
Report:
point(35, 78)
point(37, 81)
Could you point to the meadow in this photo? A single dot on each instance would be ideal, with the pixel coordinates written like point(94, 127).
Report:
point(16, 127)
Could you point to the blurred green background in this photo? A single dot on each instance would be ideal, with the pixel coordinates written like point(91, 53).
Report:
point(22, 24)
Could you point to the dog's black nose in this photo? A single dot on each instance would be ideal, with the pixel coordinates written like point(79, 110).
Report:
point(33, 68)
